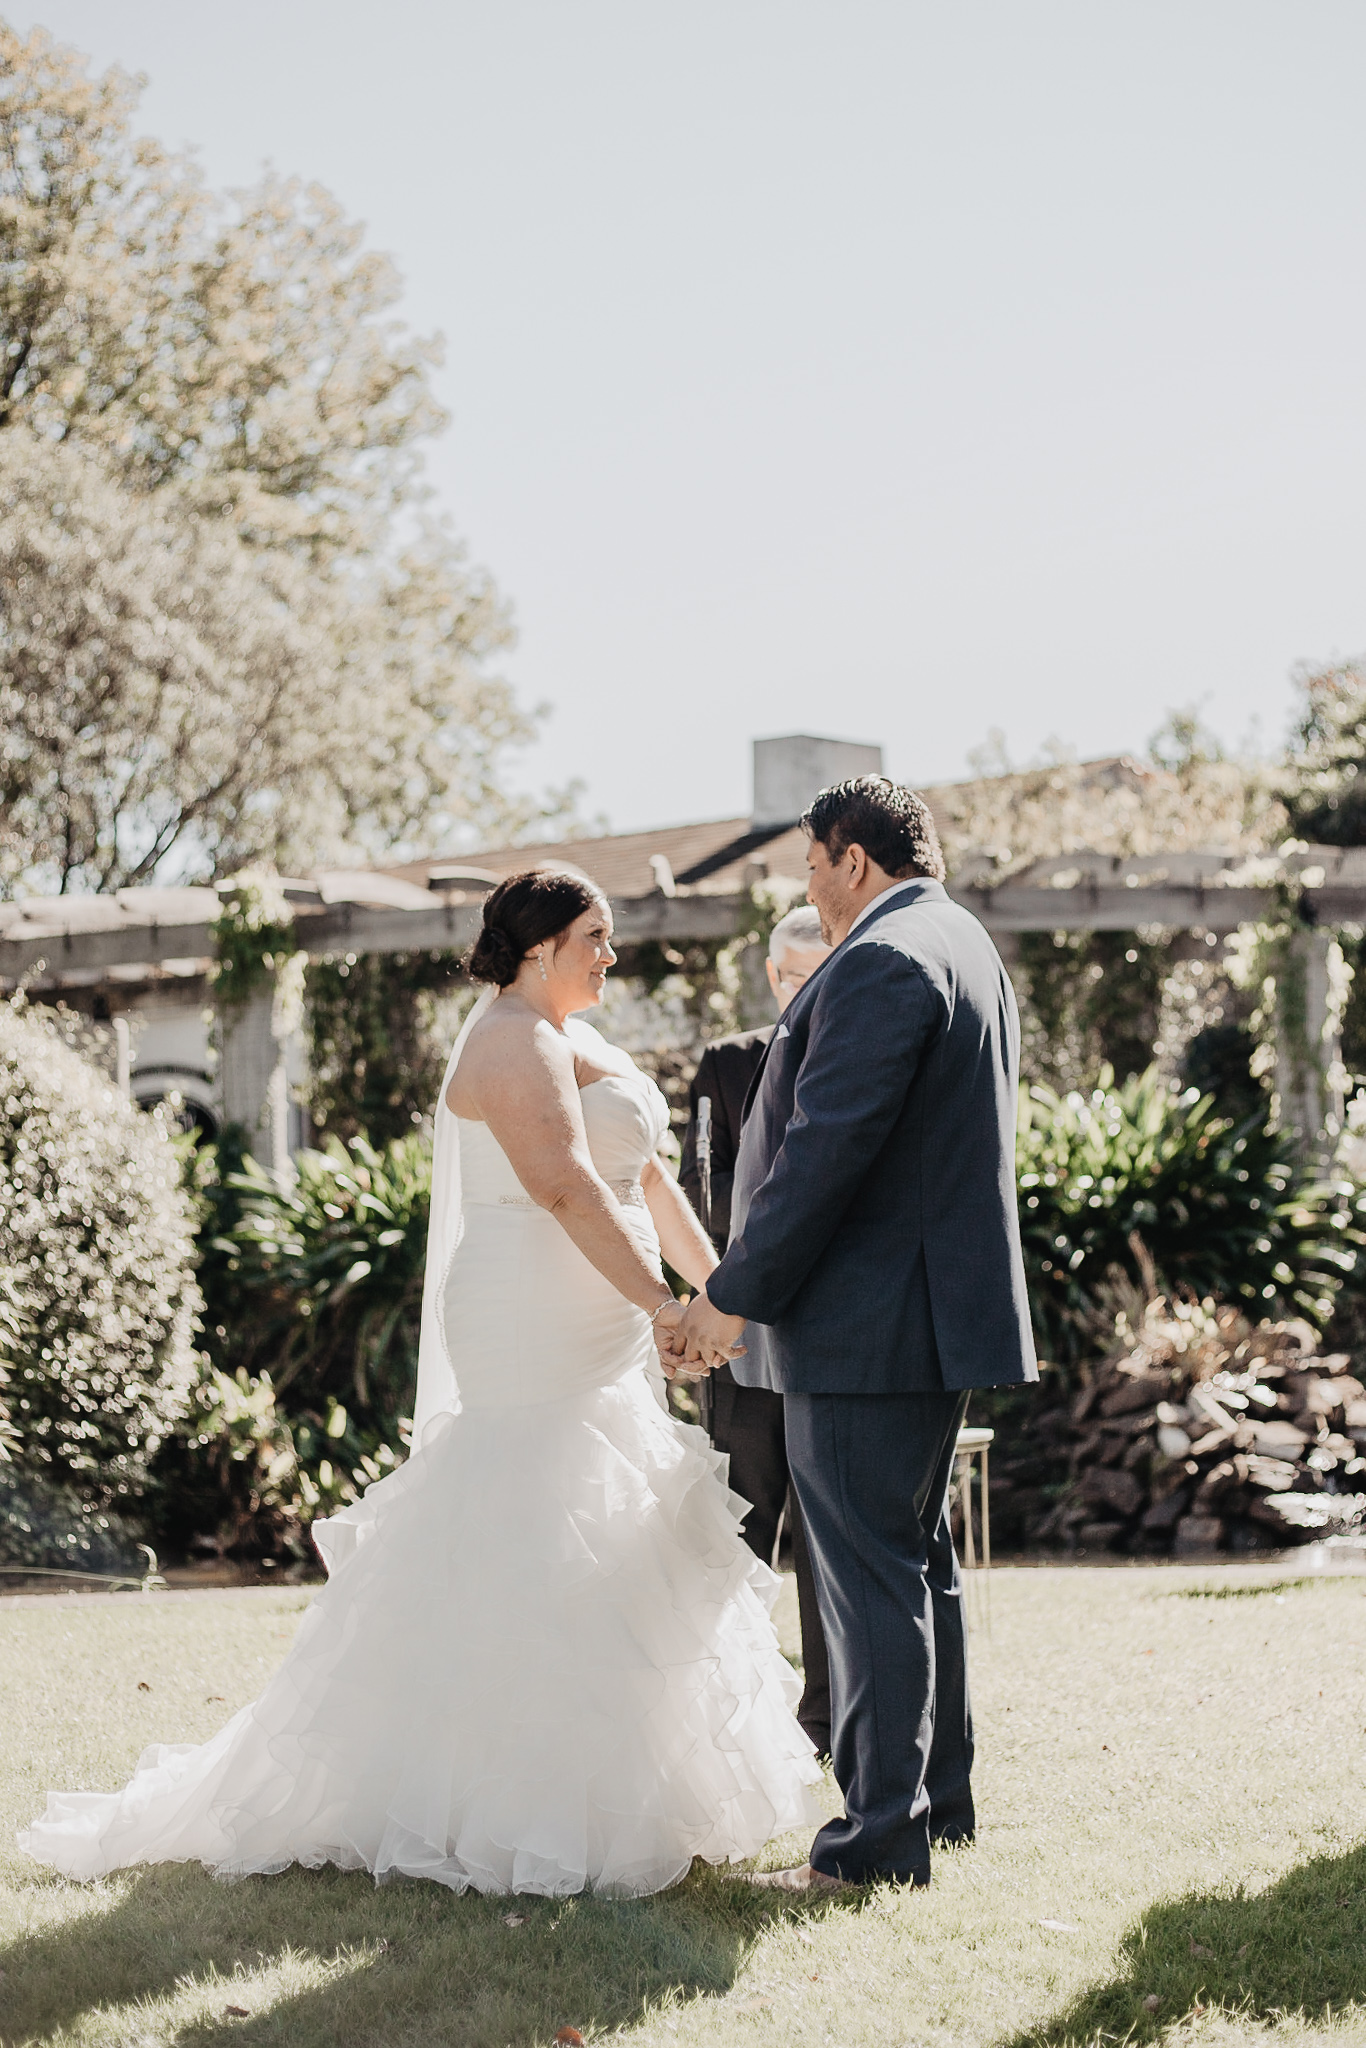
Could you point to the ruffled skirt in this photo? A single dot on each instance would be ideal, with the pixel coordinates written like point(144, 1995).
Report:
point(543, 1661)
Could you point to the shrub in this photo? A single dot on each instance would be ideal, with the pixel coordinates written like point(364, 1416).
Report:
point(320, 1277)
point(1138, 1176)
point(241, 1478)
point(96, 1237)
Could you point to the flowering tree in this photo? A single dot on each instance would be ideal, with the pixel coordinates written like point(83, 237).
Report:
point(228, 630)
point(171, 694)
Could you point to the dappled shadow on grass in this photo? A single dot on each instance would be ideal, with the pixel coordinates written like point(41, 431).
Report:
point(1296, 1949)
point(406, 1962)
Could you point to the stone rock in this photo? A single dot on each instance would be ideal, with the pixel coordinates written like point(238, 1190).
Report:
point(1085, 1401)
point(1120, 1491)
point(1165, 1514)
point(1099, 1535)
point(1133, 1393)
point(1195, 1534)
point(1220, 1479)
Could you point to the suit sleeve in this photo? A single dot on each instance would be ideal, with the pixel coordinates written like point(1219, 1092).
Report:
point(870, 1025)
point(706, 1082)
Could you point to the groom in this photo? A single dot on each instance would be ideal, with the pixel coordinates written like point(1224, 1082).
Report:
point(874, 1268)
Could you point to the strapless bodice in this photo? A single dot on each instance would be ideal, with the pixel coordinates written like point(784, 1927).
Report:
point(625, 1117)
point(527, 1318)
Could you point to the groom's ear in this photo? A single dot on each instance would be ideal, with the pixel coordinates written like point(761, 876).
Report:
point(858, 863)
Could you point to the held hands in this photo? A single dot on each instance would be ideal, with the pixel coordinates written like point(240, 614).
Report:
point(692, 1340)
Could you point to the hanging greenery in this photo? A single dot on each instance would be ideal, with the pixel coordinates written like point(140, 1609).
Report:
point(253, 935)
point(1087, 1000)
point(380, 1028)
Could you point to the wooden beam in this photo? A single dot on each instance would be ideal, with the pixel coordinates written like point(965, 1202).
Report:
point(1097, 907)
point(352, 928)
point(120, 946)
point(451, 927)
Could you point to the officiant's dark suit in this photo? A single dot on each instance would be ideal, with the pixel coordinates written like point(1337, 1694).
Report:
point(747, 1423)
point(875, 1252)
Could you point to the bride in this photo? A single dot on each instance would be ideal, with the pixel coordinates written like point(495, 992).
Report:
point(543, 1659)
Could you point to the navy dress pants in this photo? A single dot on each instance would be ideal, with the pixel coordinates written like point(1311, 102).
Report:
point(748, 1424)
point(872, 1474)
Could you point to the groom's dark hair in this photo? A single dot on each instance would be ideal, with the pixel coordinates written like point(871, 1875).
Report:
point(890, 822)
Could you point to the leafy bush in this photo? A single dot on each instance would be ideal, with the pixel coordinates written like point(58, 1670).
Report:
point(96, 1238)
point(320, 1277)
point(242, 1478)
point(313, 1295)
point(1137, 1176)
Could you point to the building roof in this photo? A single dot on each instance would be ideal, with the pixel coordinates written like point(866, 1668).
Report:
point(717, 858)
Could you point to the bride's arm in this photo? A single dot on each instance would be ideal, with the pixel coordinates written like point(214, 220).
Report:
point(524, 1088)
point(682, 1239)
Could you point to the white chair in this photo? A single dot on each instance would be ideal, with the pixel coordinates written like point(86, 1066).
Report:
point(976, 1443)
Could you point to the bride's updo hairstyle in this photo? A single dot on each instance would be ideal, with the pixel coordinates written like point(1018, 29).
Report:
point(522, 912)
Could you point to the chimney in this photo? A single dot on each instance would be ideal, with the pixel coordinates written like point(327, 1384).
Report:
point(789, 771)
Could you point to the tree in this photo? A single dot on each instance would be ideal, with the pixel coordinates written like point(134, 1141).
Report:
point(239, 347)
point(1327, 755)
point(228, 629)
point(171, 694)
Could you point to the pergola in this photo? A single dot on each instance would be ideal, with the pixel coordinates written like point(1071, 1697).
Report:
point(675, 887)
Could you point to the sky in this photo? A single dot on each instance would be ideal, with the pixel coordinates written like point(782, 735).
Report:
point(879, 368)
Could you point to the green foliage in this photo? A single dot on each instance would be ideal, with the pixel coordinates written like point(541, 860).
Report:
point(1326, 797)
point(321, 1276)
point(1088, 999)
point(243, 1478)
point(15, 1334)
point(96, 1241)
point(253, 935)
point(1136, 1174)
point(52, 1528)
point(376, 1060)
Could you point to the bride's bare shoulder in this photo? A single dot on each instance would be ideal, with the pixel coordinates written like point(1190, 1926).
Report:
point(593, 1053)
point(511, 1042)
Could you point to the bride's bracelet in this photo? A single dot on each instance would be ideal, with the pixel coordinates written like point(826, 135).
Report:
point(670, 1303)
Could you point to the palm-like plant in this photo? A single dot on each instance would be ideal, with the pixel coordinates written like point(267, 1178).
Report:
point(327, 1270)
point(1135, 1175)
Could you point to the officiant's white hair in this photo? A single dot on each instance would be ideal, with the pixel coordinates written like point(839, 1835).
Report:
point(801, 927)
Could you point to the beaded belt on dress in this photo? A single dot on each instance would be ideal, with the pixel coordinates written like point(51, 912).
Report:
point(629, 1192)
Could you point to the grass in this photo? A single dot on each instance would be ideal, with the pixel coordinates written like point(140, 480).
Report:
point(1175, 1783)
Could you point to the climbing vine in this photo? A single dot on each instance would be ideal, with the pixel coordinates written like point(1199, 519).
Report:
point(380, 1027)
point(253, 935)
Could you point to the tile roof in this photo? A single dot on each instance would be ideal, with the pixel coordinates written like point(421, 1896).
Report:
point(710, 857)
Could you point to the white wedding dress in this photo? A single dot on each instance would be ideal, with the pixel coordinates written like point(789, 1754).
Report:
point(543, 1659)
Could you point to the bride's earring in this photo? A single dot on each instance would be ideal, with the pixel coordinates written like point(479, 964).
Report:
point(540, 962)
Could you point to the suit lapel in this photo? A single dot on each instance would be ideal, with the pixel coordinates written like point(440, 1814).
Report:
point(797, 1002)
point(924, 888)
point(755, 1079)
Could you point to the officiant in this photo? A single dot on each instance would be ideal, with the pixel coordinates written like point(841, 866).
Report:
point(747, 1422)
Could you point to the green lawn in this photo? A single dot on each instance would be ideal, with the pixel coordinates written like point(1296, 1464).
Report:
point(1174, 1781)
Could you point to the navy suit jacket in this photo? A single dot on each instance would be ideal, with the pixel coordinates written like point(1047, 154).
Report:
point(875, 1236)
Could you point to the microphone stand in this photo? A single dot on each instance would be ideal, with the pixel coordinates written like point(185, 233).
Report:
point(704, 1392)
